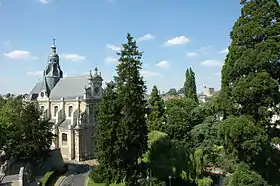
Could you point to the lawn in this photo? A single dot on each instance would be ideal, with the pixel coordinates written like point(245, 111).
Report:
point(91, 183)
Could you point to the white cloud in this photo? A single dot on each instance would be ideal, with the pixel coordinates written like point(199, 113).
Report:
point(45, 1)
point(163, 64)
point(38, 73)
point(148, 74)
point(211, 63)
point(20, 54)
point(191, 54)
point(146, 37)
point(178, 40)
point(73, 57)
point(111, 60)
point(224, 51)
point(114, 48)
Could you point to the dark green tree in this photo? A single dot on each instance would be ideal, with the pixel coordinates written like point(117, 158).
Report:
point(108, 117)
point(132, 130)
point(250, 86)
point(29, 136)
point(178, 119)
point(190, 85)
point(156, 116)
point(172, 92)
point(251, 73)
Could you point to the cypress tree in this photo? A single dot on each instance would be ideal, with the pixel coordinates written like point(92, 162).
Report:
point(107, 122)
point(190, 85)
point(156, 117)
point(132, 132)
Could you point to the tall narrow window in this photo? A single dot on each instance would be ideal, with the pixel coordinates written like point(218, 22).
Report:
point(64, 139)
point(42, 108)
point(70, 110)
point(55, 110)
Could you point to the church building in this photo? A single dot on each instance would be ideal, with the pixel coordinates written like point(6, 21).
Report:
point(69, 103)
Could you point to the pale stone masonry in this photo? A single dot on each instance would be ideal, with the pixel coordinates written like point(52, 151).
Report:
point(70, 103)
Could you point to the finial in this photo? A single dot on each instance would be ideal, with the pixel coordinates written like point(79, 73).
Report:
point(53, 41)
point(90, 73)
point(96, 70)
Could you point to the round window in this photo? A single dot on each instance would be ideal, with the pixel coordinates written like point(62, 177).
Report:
point(42, 94)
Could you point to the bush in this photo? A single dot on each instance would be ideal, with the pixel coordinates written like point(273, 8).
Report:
point(95, 177)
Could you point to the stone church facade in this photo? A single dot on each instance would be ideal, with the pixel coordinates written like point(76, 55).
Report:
point(69, 103)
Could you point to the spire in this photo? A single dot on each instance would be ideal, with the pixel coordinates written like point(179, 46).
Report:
point(53, 46)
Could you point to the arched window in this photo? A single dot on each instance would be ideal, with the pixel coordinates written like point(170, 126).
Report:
point(64, 139)
point(70, 111)
point(42, 108)
point(55, 110)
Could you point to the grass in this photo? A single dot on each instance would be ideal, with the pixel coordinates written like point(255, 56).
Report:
point(91, 183)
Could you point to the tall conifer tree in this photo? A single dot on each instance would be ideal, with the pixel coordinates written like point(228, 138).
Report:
point(190, 85)
point(132, 130)
point(107, 123)
point(250, 85)
point(156, 117)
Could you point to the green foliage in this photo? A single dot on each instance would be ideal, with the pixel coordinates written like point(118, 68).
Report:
point(172, 92)
point(244, 176)
point(108, 117)
point(27, 136)
point(204, 182)
point(163, 157)
point(132, 131)
point(250, 75)
point(156, 116)
point(243, 138)
point(178, 119)
point(96, 177)
point(190, 85)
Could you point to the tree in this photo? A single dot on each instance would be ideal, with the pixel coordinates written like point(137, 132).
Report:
point(156, 116)
point(108, 117)
point(251, 73)
point(132, 130)
point(244, 176)
point(172, 92)
point(250, 87)
point(178, 119)
point(29, 137)
point(190, 85)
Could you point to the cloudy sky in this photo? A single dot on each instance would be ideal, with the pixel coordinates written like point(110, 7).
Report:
point(174, 35)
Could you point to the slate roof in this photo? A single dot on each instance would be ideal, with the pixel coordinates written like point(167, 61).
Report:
point(67, 87)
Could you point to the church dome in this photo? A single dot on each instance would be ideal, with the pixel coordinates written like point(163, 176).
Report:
point(53, 55)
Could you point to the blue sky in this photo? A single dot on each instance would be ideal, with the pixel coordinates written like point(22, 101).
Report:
point(174, 35)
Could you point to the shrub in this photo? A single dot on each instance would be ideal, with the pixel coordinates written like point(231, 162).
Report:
point(95, 177)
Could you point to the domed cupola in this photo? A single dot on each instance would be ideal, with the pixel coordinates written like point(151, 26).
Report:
point(53, 56)
point(52, 72)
